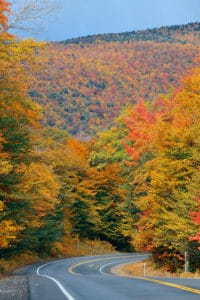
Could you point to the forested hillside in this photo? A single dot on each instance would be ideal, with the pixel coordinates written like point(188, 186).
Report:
point(84, 86)
point(172, 34)
point(132, 186)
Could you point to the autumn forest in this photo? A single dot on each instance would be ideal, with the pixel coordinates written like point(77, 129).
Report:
point(100, 146)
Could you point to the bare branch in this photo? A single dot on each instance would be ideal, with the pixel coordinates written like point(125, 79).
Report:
point(27, 15)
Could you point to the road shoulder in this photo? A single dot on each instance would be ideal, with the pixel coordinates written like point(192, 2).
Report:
point(14, 288)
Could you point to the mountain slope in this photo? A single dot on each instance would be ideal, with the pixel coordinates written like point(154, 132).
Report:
point(171, 34)
point(86, 85)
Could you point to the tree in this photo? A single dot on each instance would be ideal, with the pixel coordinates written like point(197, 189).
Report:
point(4, 10)
point(113, 189)
point(26, 15)
point(28, 187)
point(165, 151)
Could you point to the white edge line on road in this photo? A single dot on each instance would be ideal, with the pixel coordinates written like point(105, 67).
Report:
point(121, 263)
point(71, 269)
point(102, 267)
point(63, 290)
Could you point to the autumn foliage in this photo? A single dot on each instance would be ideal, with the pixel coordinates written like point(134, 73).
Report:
point(165, 151)
point(4, 8)
point(28, 187)
point(133, 186)
point(196, 219)
point(84, 87)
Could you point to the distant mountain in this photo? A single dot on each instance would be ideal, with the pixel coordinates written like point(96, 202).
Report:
point(87, 81)
point(171, 34)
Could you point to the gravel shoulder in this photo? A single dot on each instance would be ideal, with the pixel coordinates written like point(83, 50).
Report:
point(14, 288)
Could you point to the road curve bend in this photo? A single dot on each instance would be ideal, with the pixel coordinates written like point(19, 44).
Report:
point(90, 278)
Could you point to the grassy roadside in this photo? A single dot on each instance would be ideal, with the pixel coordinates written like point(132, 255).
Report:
point(147, 268)
point(74, 249)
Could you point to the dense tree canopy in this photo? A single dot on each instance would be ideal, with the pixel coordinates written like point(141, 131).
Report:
point(134, 185)
point(165, 151)
point(84, 87)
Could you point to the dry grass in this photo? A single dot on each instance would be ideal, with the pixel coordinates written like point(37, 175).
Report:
point(190, 275)
point(71, 249)
point(147, 268)
point(8, 266)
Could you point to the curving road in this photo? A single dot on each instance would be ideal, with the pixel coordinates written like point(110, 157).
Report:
point(90, 278)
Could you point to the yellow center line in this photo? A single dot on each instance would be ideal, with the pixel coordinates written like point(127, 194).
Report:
point(177, 286)
point(71, 269)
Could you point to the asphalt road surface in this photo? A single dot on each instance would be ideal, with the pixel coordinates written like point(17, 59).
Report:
point(91, 278)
